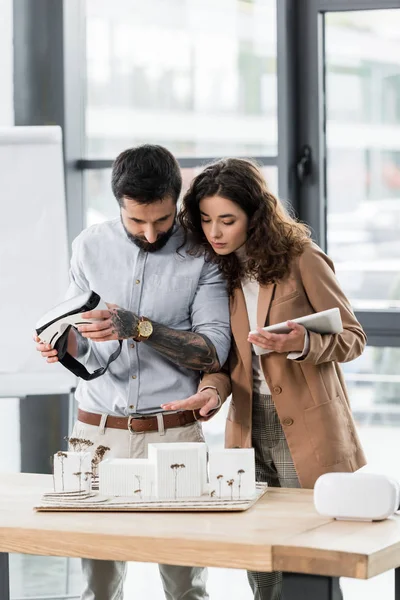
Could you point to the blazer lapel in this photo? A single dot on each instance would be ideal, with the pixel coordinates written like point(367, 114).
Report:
point(265, 296)
point(240, 329)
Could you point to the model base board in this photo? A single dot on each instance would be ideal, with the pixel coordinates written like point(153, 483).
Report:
point(94, 502)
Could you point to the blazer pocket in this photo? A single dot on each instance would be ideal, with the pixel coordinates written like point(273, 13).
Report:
point(285, 298)
point(330, 432)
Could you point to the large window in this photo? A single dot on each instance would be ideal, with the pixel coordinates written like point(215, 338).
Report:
point(363, 153)
point(196, 77)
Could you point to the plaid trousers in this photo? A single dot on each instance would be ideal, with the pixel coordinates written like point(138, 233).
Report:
point(274, 464)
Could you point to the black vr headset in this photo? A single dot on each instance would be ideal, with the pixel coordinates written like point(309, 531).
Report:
point(53, 328)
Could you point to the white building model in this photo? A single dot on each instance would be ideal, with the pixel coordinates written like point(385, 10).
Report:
point(127, 477)
point(179, 470)
point(72, 472)
point(232, 473)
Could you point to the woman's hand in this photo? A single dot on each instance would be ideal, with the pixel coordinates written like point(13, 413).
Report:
point(280, 342)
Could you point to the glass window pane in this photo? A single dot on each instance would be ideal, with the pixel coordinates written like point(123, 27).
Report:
point(373, 381)
point(196, 77)
point(101, 204)
point(363, 153)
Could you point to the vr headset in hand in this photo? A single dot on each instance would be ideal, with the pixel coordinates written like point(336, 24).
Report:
point(53, 328)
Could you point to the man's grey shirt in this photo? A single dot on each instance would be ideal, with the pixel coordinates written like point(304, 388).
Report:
point(175, 289)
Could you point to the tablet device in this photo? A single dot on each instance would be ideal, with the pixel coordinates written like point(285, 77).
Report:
point(326, 321)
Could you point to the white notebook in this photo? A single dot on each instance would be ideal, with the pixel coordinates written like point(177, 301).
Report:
point(326, 321)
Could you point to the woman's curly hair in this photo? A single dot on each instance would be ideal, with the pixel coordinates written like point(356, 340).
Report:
point(274, 237)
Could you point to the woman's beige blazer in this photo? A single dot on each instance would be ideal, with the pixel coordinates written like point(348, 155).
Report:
point(310, 394)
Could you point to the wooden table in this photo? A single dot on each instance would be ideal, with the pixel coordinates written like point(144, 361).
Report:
point(281, 532)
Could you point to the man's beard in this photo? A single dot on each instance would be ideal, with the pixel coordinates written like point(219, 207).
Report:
point(146, 246)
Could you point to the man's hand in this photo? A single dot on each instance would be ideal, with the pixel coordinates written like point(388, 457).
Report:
point(207, 400)
point(113, 324)
point(280, 342)
point(46, 350)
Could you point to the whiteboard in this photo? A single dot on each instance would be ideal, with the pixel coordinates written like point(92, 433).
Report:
point(33, 255)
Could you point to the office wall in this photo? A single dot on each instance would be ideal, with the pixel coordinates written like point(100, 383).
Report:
point(6, 63)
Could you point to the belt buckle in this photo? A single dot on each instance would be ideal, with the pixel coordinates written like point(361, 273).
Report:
point(130, 419)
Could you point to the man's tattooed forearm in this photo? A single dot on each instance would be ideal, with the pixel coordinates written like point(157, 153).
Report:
point(184, 348)
point(124, 323)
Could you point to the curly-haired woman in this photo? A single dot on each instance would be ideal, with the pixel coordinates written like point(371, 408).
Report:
point(291, 403)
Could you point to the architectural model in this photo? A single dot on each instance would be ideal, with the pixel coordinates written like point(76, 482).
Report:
point(172, 471)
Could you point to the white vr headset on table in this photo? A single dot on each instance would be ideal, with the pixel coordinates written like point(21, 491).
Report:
point(356, 496)
point(53, 328)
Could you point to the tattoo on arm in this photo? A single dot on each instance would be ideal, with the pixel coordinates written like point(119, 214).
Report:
point(184, 348)
point(124, 323)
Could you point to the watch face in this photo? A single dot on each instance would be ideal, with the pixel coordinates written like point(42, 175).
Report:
point(145, 328)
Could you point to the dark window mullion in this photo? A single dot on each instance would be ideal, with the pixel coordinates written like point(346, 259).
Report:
point(85, 164)
point(381, 326)
point(348, 5)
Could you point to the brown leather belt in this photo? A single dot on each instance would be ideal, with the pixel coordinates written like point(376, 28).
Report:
point(138, 424)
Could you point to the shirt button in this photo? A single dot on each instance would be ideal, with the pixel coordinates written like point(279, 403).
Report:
point(287, 421)
point(133, 376)
point(277, 389)
point(137, 281)
point(132, 345)
point(132, 406)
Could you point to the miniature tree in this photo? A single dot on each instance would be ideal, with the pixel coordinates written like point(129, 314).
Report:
point(78, 474)
point(88, 474)
point(220, 478)
point(62, 455)
point(98, 457)
point(79, 444)
point(139, 490)
point(176, 467)
point(230, 484)
point(240, 473)
point(52, 470)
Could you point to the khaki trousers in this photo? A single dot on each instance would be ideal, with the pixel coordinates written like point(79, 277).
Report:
point(105, 578)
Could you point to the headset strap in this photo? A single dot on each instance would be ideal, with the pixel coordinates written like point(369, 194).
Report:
point(73, 365)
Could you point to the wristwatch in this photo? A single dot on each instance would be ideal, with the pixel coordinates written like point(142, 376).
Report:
point(144, 330)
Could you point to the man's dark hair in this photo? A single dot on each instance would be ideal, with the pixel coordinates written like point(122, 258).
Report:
point(146, 174)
